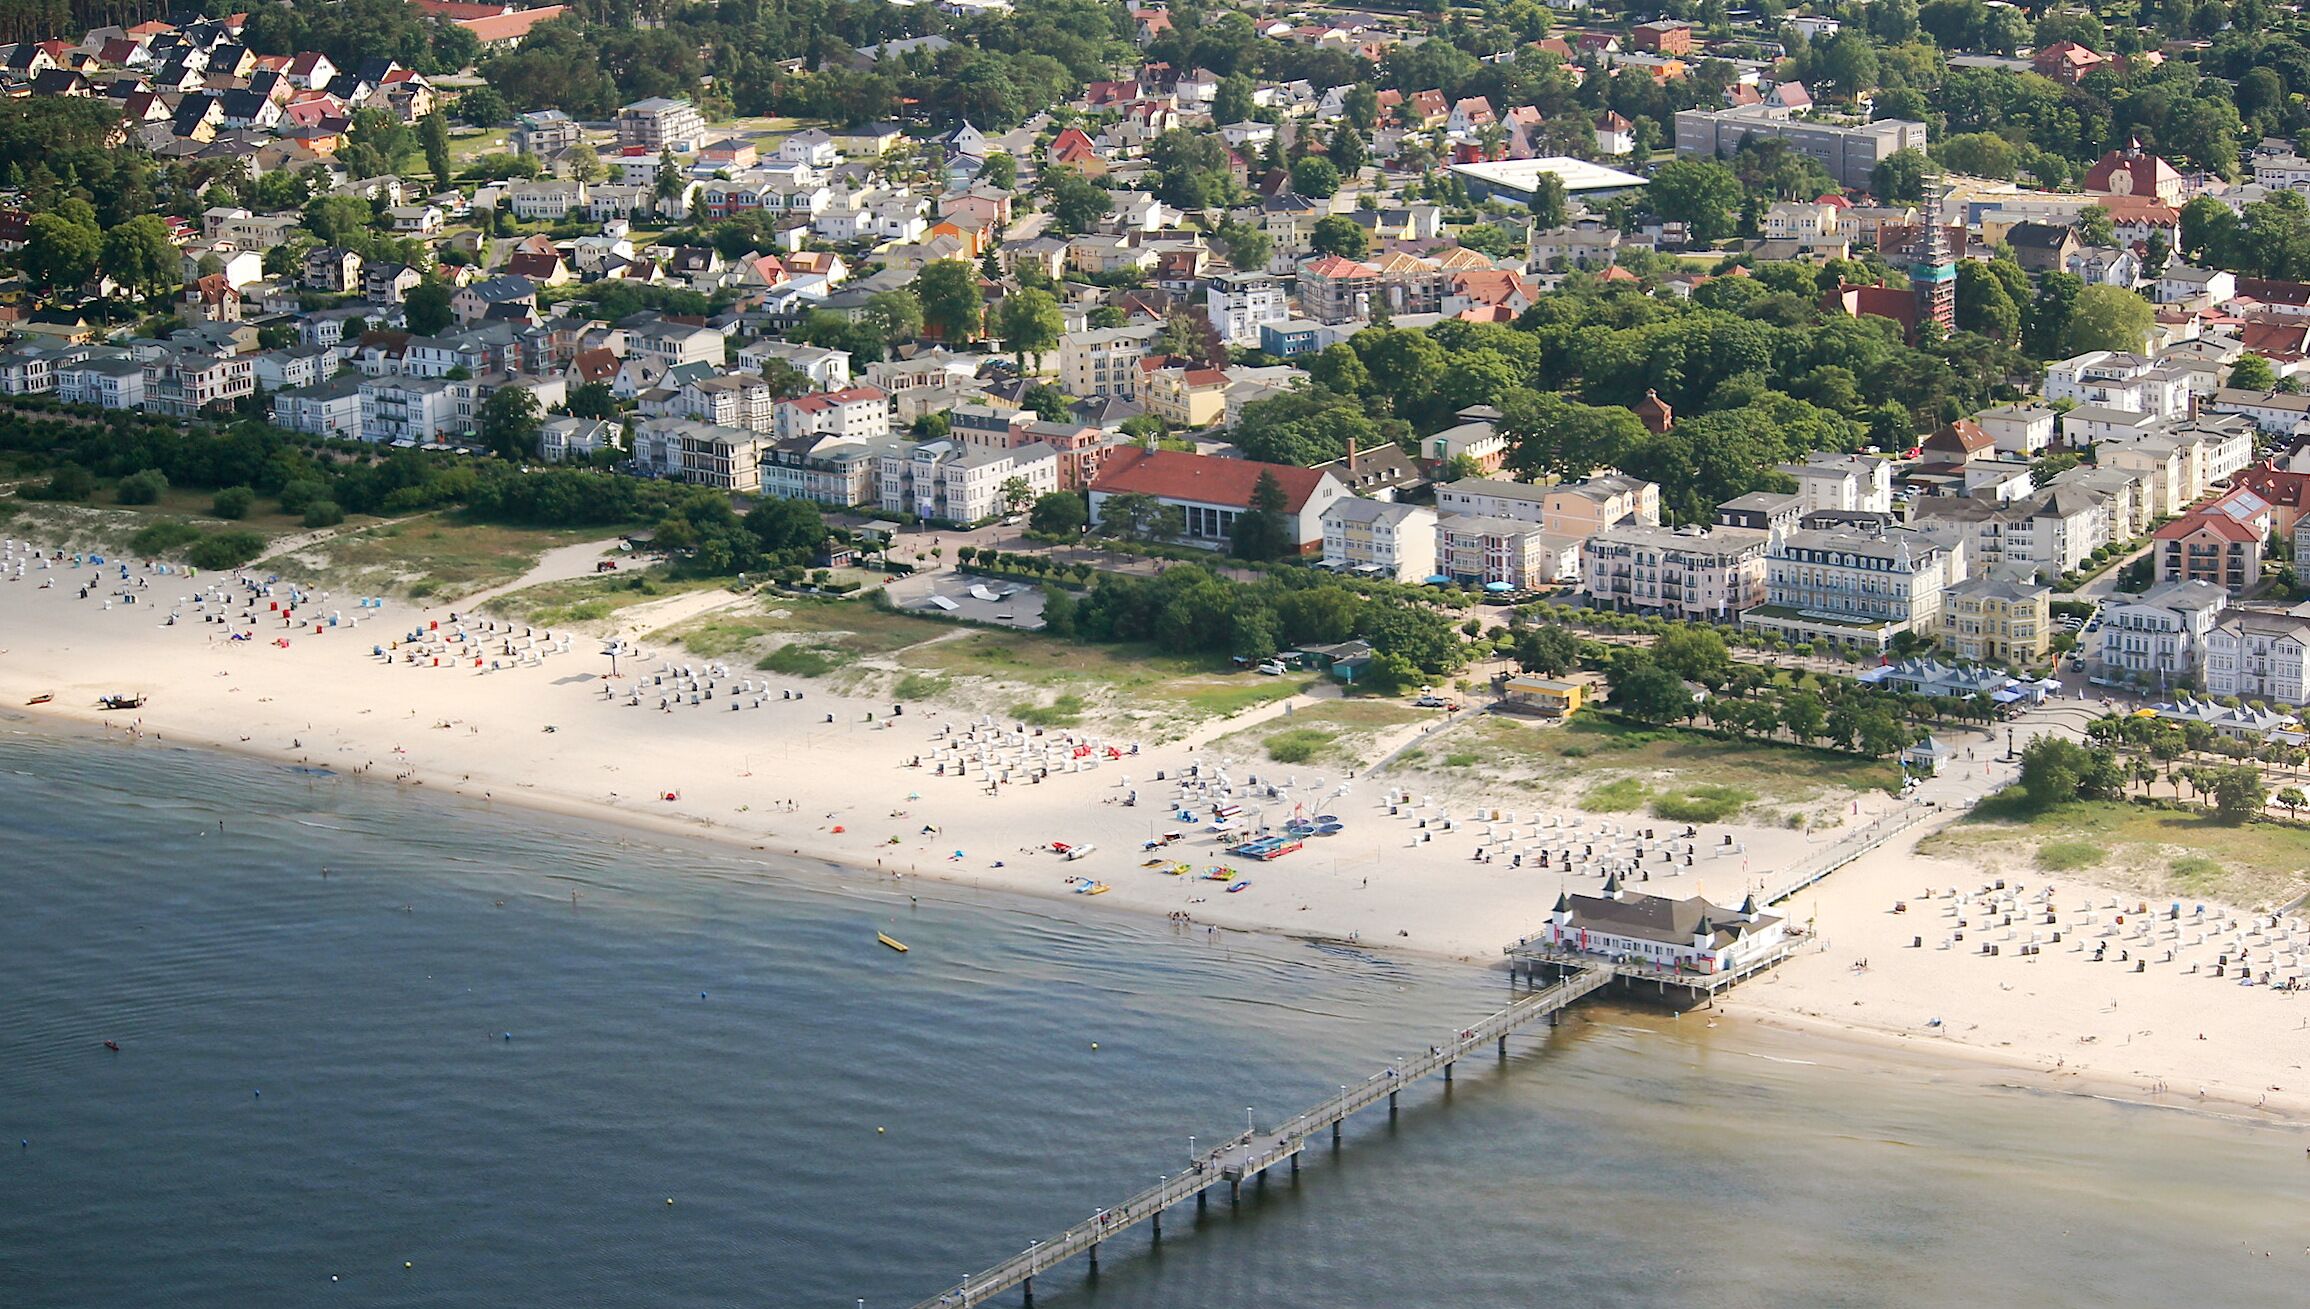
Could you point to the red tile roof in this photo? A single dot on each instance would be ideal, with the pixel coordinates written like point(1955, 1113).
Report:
point(2218, 524)
point(1201, 479)
point(510, 27)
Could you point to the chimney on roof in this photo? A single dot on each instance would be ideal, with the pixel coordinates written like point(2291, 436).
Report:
point(1351, 456)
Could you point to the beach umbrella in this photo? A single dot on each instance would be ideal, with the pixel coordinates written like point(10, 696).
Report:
point(1439, 580)
point(1498, 587)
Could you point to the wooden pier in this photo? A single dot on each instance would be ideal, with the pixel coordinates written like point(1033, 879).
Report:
point(1249, 1156)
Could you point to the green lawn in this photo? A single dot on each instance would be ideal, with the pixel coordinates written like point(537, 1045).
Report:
point(2152, 849)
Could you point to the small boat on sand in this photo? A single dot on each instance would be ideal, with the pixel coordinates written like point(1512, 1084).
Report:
point(891, 941)
point(43, 698)
point(1233, 887)
point(1093, 888)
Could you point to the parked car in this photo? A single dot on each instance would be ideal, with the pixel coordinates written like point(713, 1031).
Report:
point(1273, 668)
point(1435, 702)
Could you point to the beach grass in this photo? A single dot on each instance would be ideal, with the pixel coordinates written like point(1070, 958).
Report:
point(590, 599)
point(1704, 802)
point(443, 555)
point(2152, 849)
point(798, 661)
point(920, 686)
point(1346, 732)
point(1619, 796)
point(114, 528)
point(1132, 678)
point(1065, 710)
point(1679, 761)
point(1298, 745)
point(841, 630)
point(2068, 856)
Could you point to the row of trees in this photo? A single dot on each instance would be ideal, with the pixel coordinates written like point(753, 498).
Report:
point(2056, 770)
point(1188, 609)
point(1654, 687)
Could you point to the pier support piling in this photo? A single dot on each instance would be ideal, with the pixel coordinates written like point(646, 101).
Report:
point(1447, 1074)
point(1203, 1201)
point(1235, 1193)
point(1391, 1104)
point(1029, 1285)
point(1503, 1045)
point(1335, 1133)
point(1094, 1258)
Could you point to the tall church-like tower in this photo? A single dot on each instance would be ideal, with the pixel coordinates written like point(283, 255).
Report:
point(1933, 278)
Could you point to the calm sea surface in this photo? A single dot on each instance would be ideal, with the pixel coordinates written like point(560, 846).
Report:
point(314, 1087)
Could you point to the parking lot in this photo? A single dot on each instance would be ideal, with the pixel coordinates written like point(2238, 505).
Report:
point(998, 602)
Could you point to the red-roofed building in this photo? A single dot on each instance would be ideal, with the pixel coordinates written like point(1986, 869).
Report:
point(1615, 135)
point(2209, 546)
point(2279, 339)
point(1148, 24)
point(1215, 492)
point(1489, 288)
point(859, 413)
point(1654, 413)
point(1663, 37)
point(2286, 492)
point(2134, 171)
point(2067, 62)
point(1960, 442)
point(1896, 303)
point(1074, 149)
point(1336, 289)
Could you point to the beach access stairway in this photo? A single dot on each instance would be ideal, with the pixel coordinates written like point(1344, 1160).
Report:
point(1250, 1155)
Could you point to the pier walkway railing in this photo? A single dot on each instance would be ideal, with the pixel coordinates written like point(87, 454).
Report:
point(1253, 1153)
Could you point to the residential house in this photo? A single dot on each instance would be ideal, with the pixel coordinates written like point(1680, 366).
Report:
point(2210, 546)
point(1105, 361)
point(1994, 619)
point(478, 300)
point(1855, 586)
point(1476, 437)
point(1843, 483)
point(1701, 574)
point(858, 413)
point(660, 123)
point(2021, 430)
point(1377, 538)
point(1239, 304)
point(544, 133)
point(329, 409)
point(2259, 656)
point(2160, 636)
point(408, 410)
point(1504, 552)
point(1192, 398)
point(333, 270)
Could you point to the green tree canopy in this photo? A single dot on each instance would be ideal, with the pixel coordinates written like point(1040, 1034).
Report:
point(948, 290)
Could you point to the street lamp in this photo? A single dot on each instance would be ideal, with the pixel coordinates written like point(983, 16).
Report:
point(1191, 1149)
point(1248, 1128)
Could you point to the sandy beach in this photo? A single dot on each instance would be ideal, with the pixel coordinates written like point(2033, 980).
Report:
point(439, 697)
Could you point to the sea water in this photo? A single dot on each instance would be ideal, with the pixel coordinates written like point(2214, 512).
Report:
point(427, 1076)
